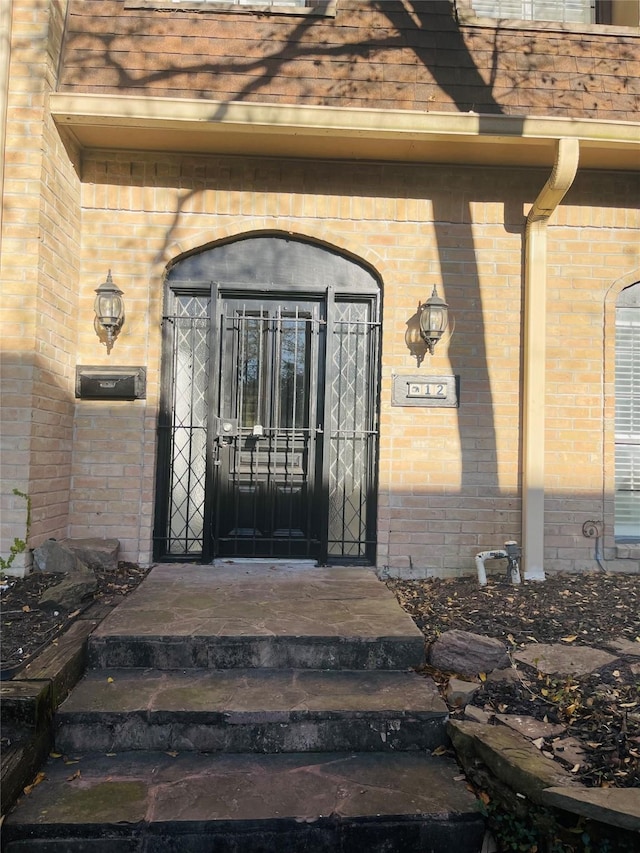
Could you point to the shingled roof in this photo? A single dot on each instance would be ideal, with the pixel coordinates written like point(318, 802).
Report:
point(384, 55)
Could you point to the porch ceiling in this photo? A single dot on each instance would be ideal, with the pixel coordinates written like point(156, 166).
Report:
point(205, 127)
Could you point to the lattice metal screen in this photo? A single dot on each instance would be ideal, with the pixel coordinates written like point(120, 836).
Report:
point(353, 437)
point(190, 327)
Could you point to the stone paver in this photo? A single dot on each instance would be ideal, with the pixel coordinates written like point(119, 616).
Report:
point(560, 659)
point(529, 726)
point(616, 806)
point(512, 758)
point(623, 646)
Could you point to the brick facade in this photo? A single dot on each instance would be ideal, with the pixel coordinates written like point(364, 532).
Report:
point(449, 479)
point(39, 269)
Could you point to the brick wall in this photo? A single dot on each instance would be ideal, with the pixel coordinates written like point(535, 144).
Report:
point(39, 274)
point(449, 479)
point(387, 55)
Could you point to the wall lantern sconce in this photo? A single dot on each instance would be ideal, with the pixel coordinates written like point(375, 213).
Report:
point(427, 326)
point(109, 308)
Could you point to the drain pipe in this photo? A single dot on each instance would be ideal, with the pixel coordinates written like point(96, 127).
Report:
point(534, 355)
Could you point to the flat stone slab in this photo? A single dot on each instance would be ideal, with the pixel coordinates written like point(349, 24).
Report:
point(560, 659)
point(512, 758)
point(257, 710)
point(206, 616)
point(209, 601)
point(615, 806)
point(625, 647)
point(322, 801)
point(530, 727)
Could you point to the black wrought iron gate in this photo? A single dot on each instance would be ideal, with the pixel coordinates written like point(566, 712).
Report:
point(268, 428)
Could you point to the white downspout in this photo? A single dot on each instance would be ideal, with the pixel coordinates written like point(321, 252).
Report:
point(534, 357)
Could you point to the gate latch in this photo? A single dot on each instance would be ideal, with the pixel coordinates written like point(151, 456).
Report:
point(225, 427)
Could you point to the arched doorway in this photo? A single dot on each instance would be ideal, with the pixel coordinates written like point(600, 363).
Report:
point(268, 428)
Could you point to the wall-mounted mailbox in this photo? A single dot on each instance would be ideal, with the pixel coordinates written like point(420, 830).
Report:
point(111, 383)
point(429, 391)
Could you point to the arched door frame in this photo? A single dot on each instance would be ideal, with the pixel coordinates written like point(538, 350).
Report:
point(264, 272)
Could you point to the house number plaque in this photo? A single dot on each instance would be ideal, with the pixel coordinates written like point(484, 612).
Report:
point(425, 391)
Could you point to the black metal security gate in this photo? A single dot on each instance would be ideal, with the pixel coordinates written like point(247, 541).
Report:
point(268, 427)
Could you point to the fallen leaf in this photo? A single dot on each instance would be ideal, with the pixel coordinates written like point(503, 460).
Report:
point(39, 778)
point(175, 754)
point(73, 776)
point(482, 676)
point(440, 750)
point(486, 799)
point(109, 680)
point(26, 608)
point(569, 639)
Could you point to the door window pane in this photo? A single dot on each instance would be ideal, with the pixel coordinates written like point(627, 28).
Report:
point(292, 385)
point(250, 364)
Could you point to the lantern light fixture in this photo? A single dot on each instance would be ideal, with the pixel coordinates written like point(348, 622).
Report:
point(434, 319)
point(109, 308)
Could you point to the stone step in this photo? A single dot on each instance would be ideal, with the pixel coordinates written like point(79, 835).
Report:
point(316, 803)
point(255, 710)
point(205, 617)
point(271, 652)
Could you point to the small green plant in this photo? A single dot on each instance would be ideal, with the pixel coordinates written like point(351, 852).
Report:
point(19, 545)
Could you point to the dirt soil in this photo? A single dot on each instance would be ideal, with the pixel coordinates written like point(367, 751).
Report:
point(601, 712)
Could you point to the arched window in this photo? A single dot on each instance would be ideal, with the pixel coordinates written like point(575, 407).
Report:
point(627, 497)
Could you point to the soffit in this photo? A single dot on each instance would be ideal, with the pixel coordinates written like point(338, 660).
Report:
point(206, 127)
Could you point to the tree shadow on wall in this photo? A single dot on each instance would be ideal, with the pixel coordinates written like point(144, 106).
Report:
point(429, 34)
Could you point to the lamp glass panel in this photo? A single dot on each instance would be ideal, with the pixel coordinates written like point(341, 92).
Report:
point(109, 308)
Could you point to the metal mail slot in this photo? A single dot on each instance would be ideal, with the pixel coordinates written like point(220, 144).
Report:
point(110, 383)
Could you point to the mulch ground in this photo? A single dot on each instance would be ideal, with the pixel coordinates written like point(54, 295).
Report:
point(26, 628)
point(601, 712)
